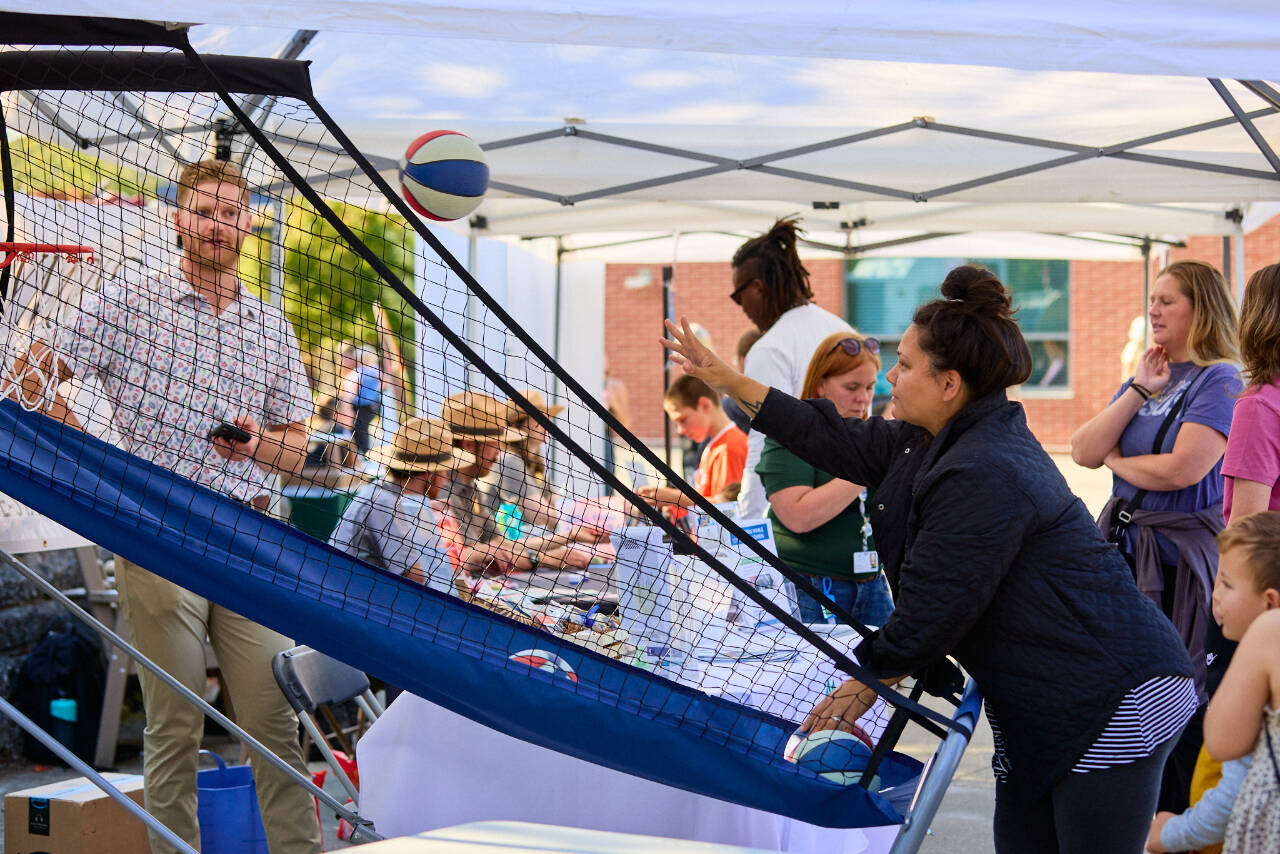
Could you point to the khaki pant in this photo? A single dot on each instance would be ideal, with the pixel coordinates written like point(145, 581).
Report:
point(168, 625)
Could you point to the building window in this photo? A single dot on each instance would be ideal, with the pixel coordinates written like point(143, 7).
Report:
point(881, 295)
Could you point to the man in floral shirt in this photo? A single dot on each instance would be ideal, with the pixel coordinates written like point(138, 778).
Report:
point(177, 355)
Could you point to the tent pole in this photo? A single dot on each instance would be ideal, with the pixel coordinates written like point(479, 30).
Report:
point(470, 324)
point(668, 313)
point(275, 275)
point(1236, 217)
point(1226, 257)
point(555, 344)
point(1146, 286)
point(1239, 263)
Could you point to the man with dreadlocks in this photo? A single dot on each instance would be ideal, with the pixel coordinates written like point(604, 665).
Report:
point(772, 288)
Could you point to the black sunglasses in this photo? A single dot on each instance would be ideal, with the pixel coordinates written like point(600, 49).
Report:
point(854, 346)
point(736, 296)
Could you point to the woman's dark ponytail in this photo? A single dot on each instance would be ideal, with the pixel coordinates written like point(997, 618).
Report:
point(971, 330)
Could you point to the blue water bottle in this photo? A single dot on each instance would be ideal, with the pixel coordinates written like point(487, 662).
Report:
point(64, 714)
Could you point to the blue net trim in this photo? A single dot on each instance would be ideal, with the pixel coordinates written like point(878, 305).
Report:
point(437, 647)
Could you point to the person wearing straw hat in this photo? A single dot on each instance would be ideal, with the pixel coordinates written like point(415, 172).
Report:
point(519, 474)
point(481, 424)
point(519, 481)
point(390, 523)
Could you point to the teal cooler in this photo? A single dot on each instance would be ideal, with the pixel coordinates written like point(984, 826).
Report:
point(315, 510)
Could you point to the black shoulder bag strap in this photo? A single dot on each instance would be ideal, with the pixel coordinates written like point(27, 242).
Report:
point(1125, 509)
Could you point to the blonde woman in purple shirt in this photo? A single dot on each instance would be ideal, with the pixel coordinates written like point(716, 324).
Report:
point(1251, 468)
point(1163, 436)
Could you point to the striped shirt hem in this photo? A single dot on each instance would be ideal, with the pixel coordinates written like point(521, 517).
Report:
point(1147, 716)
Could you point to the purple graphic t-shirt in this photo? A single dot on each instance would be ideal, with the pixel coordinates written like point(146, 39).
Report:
point(1210, 397)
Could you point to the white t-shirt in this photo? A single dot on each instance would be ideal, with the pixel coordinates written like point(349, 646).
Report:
point(779, 360)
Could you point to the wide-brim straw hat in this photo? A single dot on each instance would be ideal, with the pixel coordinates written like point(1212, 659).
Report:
point(421, 444)
point(479, 416)
point(535, 397)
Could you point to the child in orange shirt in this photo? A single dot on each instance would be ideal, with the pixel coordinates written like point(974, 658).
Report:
point(695, 409)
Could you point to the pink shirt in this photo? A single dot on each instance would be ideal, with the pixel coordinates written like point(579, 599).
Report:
point(1253, 446)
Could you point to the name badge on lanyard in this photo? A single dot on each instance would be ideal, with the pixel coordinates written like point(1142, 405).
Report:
point(866, 565)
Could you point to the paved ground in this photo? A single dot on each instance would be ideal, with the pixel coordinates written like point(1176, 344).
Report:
point(963, 824)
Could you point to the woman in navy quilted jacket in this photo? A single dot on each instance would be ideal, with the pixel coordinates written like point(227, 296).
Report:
point(993, 560)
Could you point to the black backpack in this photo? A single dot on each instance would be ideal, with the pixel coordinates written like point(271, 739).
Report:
point(67, 663)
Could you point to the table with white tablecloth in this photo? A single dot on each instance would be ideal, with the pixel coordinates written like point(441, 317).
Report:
point(424, 767)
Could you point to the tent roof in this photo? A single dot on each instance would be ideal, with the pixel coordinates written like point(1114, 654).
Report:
point(1052, 132)
point(1233, 38)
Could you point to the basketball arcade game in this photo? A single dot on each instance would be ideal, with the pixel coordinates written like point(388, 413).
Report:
point(658, 714)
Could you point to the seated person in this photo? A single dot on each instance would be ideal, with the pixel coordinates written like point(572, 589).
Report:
point(519, 481)
point(695, 409)
point(820, 523)
point(518, 477)
point(480, 424)
point(390, 523)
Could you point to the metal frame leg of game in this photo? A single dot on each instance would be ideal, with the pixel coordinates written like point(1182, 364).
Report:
point(937, 776)
point(94, 777)
point(361, 826)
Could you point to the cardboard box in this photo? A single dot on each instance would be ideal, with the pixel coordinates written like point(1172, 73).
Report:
point(74, 817)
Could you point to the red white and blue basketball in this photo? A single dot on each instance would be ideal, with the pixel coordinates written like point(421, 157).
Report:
point(833, 755)
point(540, 659)
point(444, 175)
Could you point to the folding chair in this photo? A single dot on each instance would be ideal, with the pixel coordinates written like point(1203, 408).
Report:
point(313, 682)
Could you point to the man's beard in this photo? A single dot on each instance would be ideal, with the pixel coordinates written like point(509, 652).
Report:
point(222, 257)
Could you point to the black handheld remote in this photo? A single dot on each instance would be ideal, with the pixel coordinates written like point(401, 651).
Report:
point(230, 432)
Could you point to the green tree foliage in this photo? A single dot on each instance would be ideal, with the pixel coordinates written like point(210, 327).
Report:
point(329, 290)
point(49, 170)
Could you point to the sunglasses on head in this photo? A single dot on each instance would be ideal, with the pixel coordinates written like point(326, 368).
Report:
point(854, 346)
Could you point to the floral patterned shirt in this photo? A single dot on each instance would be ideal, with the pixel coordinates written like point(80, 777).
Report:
point(172, 369)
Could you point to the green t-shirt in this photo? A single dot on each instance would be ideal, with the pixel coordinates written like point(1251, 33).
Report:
point(826, 550)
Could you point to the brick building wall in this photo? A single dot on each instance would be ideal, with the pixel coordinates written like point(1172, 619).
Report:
point(1105, 297)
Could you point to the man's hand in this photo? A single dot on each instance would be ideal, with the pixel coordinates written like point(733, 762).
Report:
point(236, 451)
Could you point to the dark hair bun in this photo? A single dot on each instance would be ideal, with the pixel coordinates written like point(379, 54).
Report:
point(979, 290)
point(971, 330)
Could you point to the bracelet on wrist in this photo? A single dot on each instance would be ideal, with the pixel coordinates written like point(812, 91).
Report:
point(1142, 390)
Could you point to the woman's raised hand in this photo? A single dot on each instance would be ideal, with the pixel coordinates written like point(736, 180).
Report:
point(1153, 370)
point(696, 359)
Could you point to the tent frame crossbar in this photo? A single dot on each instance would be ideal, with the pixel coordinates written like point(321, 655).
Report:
point(1263, 91)
point(853, 250)
point(1245, 122)
point(161, 137)
point(55, 119)
point(762, 164)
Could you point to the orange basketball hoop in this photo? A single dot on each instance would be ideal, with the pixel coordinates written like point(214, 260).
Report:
point(27, 251)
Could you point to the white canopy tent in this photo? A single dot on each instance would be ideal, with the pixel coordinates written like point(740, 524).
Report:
point(883, 123)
